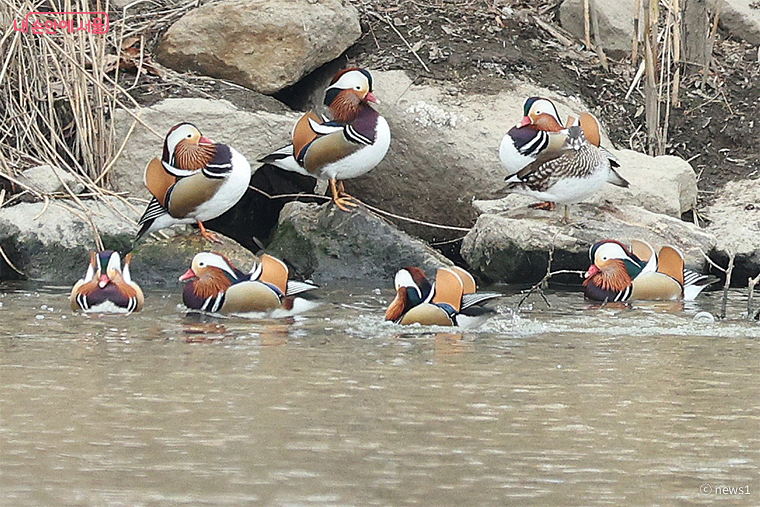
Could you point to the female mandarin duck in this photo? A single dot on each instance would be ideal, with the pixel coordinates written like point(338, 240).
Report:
point(195, 180)
point(107, 287)
point(619, 273)
point(354, 142)
point(444, 303)
point(567, 175)
point(216, 285)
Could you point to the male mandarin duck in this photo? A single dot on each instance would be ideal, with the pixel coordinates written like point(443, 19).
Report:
point(195, 180)
point(354, 142)
point(107, 287)
point(567, 175)
point(448, 302)
point(540, 127)
point(619, 273)
point(215, 285)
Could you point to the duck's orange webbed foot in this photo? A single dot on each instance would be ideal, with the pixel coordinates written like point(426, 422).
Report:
point(210, 236)
point(545, 206)
point(341, 199)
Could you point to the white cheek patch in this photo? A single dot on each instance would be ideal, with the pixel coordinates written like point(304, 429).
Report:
point(213, 260)
point(350, 80)
point(114, 263)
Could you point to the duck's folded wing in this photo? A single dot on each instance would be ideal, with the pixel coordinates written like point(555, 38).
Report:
point(328, 149)
point(188, 193)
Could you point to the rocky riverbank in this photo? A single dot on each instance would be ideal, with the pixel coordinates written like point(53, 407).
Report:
point(442, 171)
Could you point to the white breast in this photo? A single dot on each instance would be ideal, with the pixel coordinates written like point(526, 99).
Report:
point(511, 159)
point(363, 160)
point(230, 192)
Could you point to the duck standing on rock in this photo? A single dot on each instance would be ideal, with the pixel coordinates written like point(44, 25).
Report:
point(566, 175)
point(107, 287)
point(350, 145)
point(619, 273)
point(195, 180)
point(540, 133)
point(215, 285)
point(450, 301)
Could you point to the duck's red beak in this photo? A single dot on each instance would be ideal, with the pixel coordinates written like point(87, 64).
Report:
point(205, 140)
point(592, 270)
point(525, 122)
point(371, 98)
point(103, 281)
point(188, 275)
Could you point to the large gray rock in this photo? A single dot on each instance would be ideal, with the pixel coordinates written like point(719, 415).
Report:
point(513, 247)
point(265, 45)
point(47, 179)
point(444, 154)
point(252, 133)
point(615, 22)
point(664, 184)
point(740, 18)
point(325, 243)
point(52, 244)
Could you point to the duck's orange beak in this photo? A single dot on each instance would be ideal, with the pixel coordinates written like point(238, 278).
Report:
point(188, 275)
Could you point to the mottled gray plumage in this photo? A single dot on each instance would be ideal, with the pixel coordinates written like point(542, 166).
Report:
point(567, 175)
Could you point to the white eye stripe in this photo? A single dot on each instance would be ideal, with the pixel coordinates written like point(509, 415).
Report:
point(351, 79)
point(208, 259)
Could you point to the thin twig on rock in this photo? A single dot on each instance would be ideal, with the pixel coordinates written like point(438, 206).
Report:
point(553, 31)
point(369, 207)
point(728, 270)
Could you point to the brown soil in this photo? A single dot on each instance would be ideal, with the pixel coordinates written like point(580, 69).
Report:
point(473, 46)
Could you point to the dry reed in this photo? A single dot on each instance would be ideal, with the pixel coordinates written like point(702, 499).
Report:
point(58, 92)
point(662, 36)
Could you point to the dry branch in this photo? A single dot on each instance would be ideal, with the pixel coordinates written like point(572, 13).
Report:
point(538, 286)
point(752, 312)
point(728, 270)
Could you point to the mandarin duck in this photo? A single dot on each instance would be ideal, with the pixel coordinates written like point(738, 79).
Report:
point(540, 127)
point(107, 287)
point(450, 301)
point(541, 131)
point(215, 285)
point(350, 145)
point(567, 175)
point(619, 273)
point(195, 180)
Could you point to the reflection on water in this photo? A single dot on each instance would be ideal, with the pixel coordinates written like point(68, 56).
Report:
point(577, 404)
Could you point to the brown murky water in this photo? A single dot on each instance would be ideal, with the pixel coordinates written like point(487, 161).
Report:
point(572, 405)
